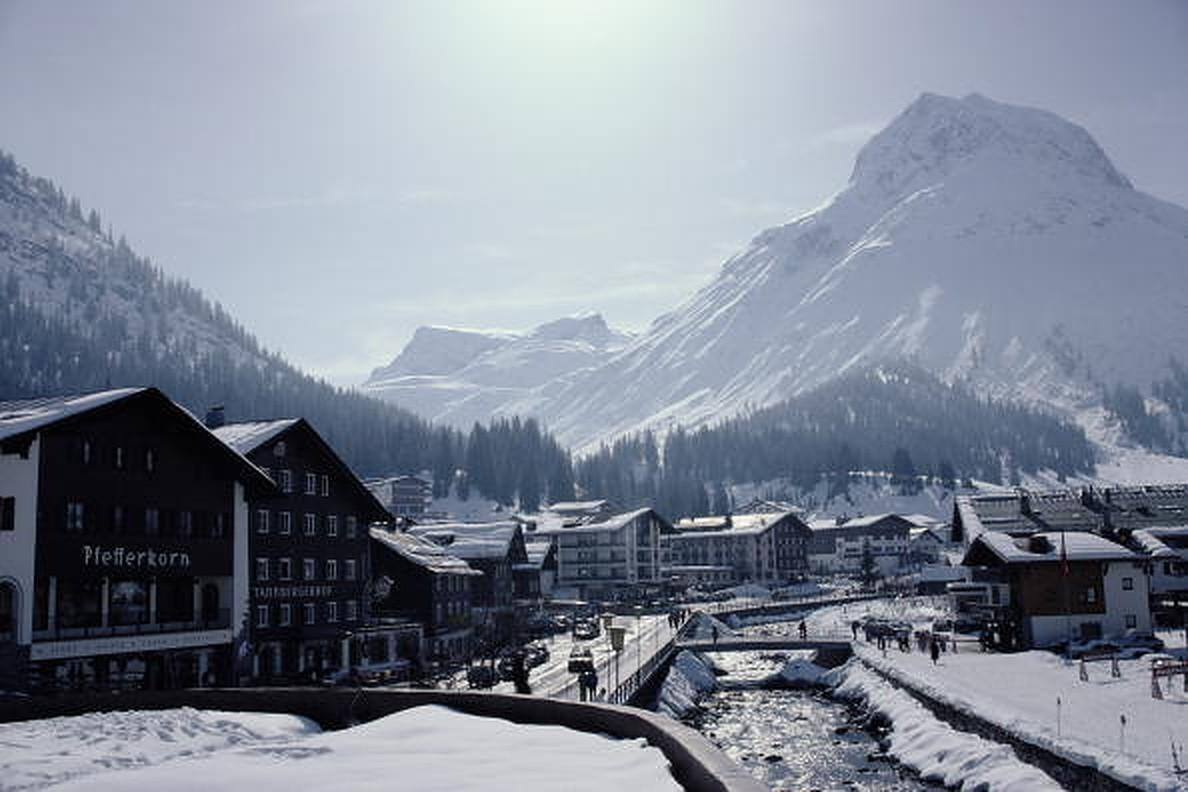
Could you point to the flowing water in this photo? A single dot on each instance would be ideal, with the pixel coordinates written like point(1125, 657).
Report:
point(794, 739)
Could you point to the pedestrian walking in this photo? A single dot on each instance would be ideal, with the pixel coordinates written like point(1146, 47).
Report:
point(934, 651)
point(714, 633)
point(854, 625)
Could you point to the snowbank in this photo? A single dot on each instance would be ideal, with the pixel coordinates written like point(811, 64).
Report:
point(429, 749)
point(689, 678)
point(935, 750)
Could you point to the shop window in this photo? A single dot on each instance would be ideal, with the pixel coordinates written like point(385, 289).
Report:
point(127, 602)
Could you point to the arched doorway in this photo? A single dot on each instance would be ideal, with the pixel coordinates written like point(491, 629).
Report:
point(210, 603)
point(9, 612)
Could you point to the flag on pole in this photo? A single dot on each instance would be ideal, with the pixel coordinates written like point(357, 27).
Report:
point(1064, 570)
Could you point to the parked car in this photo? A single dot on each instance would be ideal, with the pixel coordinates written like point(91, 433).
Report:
point(535, 655)
point(580, 659)
point(586, 630)
point(1136, 643)
point(481, 676)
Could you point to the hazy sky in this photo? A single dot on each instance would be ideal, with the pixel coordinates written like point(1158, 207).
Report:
point(337, 173)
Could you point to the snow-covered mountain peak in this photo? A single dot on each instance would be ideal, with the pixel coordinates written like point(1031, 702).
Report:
point(591, 328)
point(939, 136)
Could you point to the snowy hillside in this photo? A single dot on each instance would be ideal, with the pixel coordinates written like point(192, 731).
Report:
point(977, 239)
point(63, 265)
point(461, 376)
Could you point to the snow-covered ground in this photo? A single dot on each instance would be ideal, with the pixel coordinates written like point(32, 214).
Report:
point(427, 748)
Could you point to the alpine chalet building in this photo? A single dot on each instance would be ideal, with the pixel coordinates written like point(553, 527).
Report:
point(308, 544)
point(123, 544)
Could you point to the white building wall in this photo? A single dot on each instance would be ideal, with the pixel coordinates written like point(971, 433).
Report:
point(19, 480)
point(241, 564)
point(1121, 601)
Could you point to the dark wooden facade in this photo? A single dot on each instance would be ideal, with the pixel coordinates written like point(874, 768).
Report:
point(309, 551)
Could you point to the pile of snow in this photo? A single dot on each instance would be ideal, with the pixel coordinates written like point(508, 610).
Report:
point(38, 754)
point(430, 749)
point(750, 591)
point(689, 678)
point(799, 673)
point(936, 751)
point(701, 628)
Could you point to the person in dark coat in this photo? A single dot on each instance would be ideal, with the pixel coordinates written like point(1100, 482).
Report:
point(520, 674)
point(934, 650)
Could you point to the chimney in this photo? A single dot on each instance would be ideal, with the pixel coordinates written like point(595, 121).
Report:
point(215, 417)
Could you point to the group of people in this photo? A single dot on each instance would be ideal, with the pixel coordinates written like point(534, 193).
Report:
point(677, 617)
point(588, 684)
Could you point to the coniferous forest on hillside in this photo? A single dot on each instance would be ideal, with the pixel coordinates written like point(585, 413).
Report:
point(118, 324)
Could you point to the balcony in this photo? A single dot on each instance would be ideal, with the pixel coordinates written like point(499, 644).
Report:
point(222, 621)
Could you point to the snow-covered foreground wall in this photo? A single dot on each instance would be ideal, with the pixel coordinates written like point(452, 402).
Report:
point(428, 749)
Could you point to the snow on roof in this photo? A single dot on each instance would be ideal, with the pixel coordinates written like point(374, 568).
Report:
point(28, 415)
point(738, 525)
point(537, 552)
point(924, 520)
point(423, 553)
point(1075, 545)
point(470, 541)
point(246, 437)
point(577, 506)
point(612, 523)
point(1168, 542)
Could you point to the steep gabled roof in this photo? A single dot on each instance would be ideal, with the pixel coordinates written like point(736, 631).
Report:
point(247, 437)
point(22, 420)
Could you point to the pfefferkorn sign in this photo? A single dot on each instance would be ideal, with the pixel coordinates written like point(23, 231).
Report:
point(122, 557)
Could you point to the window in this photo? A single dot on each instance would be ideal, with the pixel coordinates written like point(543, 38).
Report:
point(279, 449)
point(332, 525)
point(1128, 584)
point(219, 529)
point(309, 569)
point(352, 610)
point(331, 569)
point(325, 486)
point(309, 613)
point(150, 461)
point(285, 482)
point(284, 569)
point(152, 522)
point(1090, 595)
point(261, 569)
point(117, 519)
point(7, 514)
point(261, 615)
point(286, 614)
point(311, 484)
point(86, 452)
point(352, 527)
point(185, 523)
point(75, 517)
point(262, 521)
point(284, 523)
point(119, 457)
point(349, 569)
point(331, 612)
point(1131, 621)
point(311, 524)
